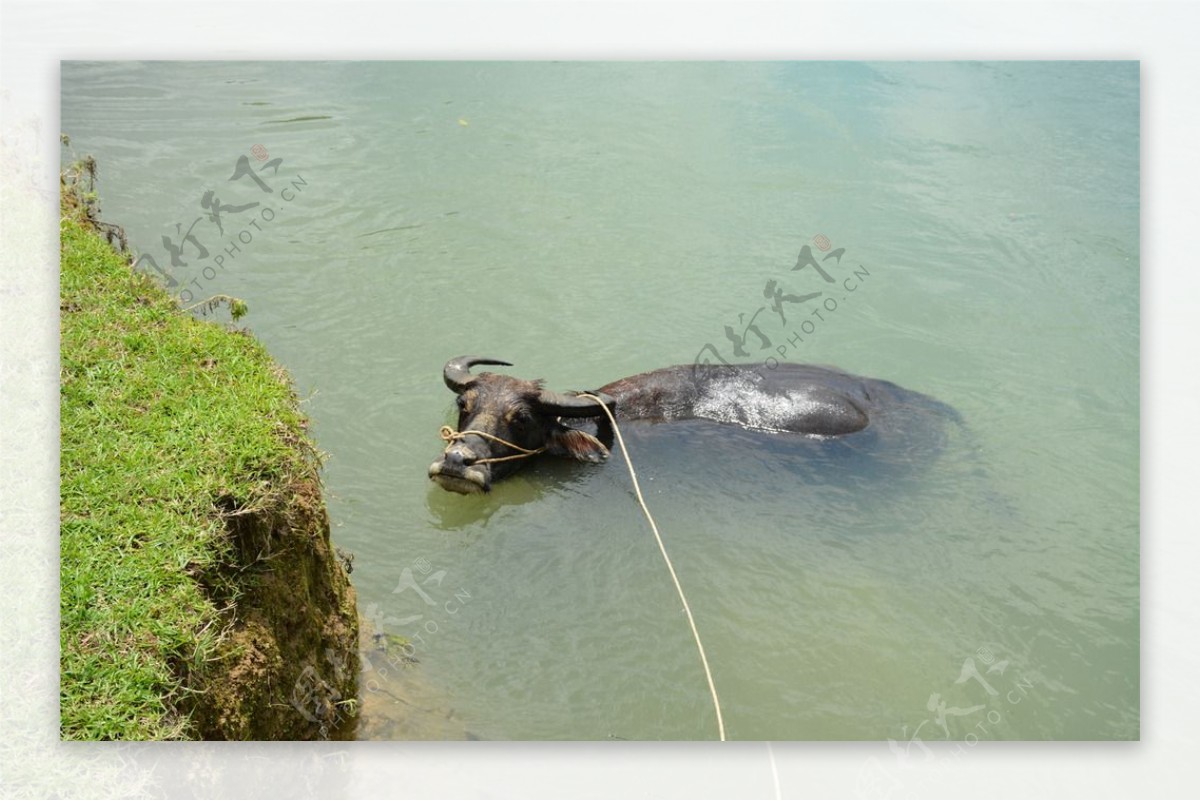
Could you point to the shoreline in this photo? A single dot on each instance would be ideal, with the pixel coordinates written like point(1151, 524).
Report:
point(201, 596)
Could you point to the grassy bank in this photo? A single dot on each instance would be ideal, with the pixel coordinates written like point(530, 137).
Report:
point(199, 591)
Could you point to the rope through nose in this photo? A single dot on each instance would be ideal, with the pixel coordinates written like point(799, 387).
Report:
point(451, 436)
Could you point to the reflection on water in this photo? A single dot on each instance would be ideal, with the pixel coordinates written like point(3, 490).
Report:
point(590, 221)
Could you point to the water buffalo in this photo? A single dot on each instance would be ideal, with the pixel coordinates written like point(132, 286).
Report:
point(502, 420)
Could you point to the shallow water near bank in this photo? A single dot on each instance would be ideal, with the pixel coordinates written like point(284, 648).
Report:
point(588, 221)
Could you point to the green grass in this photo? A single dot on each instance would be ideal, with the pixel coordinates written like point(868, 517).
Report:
point(163, 419)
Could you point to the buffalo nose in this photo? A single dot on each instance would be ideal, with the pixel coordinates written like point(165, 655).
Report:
point(459, 457)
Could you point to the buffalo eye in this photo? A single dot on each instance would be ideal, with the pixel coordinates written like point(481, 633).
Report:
point(462, 403)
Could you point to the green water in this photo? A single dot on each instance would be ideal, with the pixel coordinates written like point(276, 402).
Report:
point(587, 221)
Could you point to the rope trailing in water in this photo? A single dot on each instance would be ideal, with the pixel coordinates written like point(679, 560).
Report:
point(712, 687)
point(450, 435)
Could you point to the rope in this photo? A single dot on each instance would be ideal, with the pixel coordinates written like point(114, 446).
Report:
point(712, 687)
point(450, 435)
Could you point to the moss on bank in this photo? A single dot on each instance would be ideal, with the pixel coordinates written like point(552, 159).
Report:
point(200, 594)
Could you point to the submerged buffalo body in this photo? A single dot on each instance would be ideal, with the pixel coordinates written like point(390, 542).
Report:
point(820, 402)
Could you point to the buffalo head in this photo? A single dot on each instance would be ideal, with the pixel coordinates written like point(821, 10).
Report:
point(515, 411)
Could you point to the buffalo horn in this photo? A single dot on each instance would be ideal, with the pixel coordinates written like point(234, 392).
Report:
point(457, 372)
point(572, 405)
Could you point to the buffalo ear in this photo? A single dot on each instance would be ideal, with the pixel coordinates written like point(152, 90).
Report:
point(575, 444)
